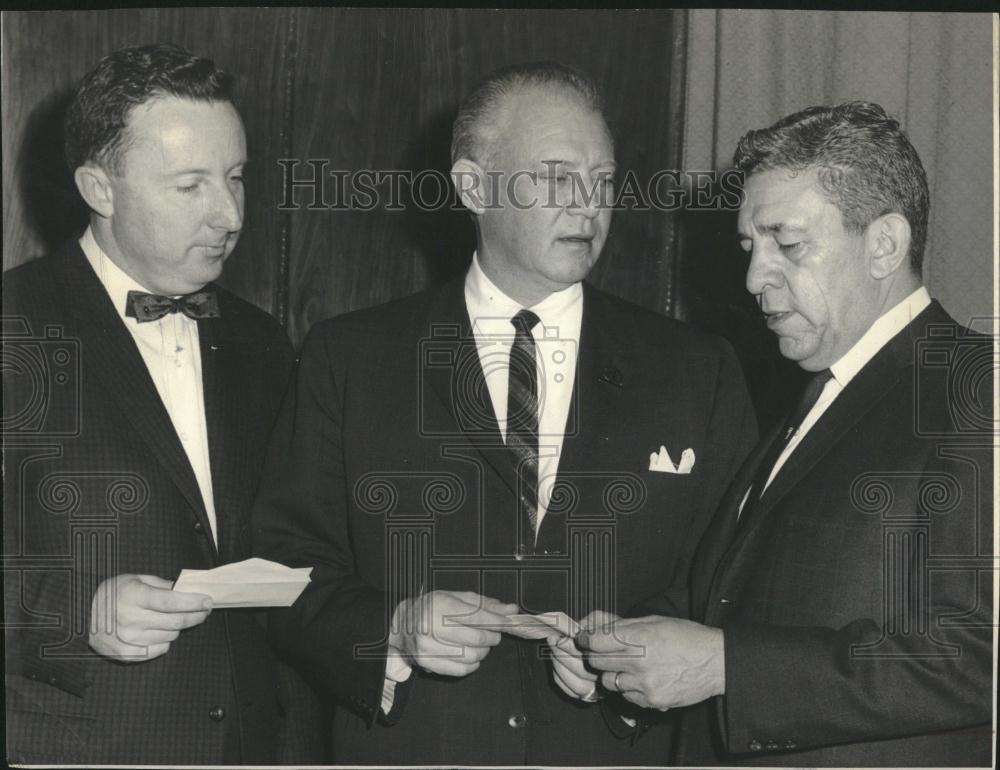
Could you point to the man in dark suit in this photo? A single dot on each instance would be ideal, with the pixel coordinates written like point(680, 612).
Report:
point(515, 441)
point(845, 584)
point(137, 399)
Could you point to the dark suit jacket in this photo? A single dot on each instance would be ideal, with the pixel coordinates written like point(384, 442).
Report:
point(388, 474)
point(856, 601)
point(97, 484)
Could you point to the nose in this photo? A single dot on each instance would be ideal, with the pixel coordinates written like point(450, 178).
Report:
point(587, 195)
point(762, 273)
point(227, 209)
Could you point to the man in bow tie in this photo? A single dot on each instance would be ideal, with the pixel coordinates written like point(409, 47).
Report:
point(482, 450)
point(844, 587)
point(156, 390)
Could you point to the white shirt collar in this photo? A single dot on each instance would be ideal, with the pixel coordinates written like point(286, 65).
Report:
point(887, 326)
point(489, 306)
point(116, 281)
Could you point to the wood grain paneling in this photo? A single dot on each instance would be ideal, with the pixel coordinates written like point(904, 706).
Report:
point(378, 89)
point(45, 54)
point(362, 89)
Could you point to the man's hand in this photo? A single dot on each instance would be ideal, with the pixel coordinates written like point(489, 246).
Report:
point(135, 617)
point(659, 663)
point(569, 669)
point(448, 632)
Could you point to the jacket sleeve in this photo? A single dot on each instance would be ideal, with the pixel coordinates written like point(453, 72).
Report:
point(48, 582)
point(337, 630)
point(924, 667)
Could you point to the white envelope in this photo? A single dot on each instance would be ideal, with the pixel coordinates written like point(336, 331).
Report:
point(249, 583)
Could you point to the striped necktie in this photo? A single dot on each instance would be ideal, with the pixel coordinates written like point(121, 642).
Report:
point(522, 414)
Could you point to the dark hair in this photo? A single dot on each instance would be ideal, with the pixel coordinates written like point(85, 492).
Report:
point(96, 121)
point(866, 164)
point(471, 136)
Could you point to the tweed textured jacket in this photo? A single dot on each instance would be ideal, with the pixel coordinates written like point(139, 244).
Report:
point(97, 484)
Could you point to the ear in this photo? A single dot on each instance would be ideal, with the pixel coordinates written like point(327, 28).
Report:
point(887, 241)
point(470, 184)
point(95, 188)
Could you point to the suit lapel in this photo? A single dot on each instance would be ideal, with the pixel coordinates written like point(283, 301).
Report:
point(862, 394)
point(600, 389)
point(223, 399)
point(110, 354)
point(460, 384)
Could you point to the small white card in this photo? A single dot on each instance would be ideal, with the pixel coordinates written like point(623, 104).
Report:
point(249, 583)
point(538, 626)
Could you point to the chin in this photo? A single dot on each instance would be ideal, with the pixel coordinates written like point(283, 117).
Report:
point(793, 350)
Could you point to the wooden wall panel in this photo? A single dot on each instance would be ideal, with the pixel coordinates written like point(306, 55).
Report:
point(377, 89)
point(361, 89)
point(45, 54)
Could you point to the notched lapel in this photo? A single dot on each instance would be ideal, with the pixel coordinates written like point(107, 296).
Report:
point(600, 387)
point(451, 372)
point(861, 395)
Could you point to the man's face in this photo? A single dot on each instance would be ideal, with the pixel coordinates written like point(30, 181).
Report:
point(810, 276)
point(545, 235)
point(178, 202)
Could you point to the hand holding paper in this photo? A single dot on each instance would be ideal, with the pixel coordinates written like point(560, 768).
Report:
point(448, 632)
point(249, 583)
point(136, 617)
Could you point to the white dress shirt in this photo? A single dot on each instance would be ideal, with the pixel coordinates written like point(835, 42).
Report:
point(171, 352)
point(887, 326)
point(557, 338)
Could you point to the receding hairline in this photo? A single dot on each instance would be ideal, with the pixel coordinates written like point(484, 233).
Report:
point(495, 125)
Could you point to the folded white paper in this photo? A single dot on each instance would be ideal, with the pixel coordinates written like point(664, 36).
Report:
point(249, 583)
point(538, 626)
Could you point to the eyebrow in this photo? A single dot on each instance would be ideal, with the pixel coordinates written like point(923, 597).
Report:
point(772, 228)
point(554, 162)
point(205, 171)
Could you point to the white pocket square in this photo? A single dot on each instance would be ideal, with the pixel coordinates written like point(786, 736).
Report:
point(661, 462)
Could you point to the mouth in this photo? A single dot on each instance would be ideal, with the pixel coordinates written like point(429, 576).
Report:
point(776, 318)
point(584, 240)
point(215, 250)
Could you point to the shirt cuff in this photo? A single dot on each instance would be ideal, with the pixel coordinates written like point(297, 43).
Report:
point(396, 670)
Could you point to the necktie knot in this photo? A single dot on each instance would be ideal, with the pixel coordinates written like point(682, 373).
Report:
point(810, 396)
point(145, 307)
point(805, 404)
point(524, 321)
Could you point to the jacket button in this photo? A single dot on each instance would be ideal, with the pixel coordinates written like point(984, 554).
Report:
point(199, 527)
point(217, 713)
point(724, 601)
point(754, 745)
point(517, 720)
point(772, 746)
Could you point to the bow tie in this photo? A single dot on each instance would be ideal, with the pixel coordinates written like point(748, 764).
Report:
point(152, 307)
